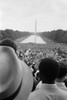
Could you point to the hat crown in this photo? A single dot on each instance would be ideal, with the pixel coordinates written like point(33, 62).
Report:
point(10, 69)
point(5, 67)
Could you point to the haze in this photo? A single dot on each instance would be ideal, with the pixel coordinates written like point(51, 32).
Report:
point(21, 15)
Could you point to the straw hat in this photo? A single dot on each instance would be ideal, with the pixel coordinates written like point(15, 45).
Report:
point(16, 79)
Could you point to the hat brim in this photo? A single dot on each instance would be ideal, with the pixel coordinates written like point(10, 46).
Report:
point(27, 83)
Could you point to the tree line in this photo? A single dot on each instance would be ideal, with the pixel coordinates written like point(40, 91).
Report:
point(9, 33)
point(59, 35)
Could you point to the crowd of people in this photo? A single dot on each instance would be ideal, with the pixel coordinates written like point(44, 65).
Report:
point(32, 57)
point(31, 74)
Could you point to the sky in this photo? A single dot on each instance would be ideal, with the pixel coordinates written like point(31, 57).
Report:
point(21, 15)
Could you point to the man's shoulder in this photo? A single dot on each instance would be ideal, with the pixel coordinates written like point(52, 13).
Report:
point(38, 96)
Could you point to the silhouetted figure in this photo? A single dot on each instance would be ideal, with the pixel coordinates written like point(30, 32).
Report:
point(48, 90)
point(61, 76)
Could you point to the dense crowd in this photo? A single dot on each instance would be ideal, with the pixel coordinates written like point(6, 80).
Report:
point(33, 58)
point(32, 74)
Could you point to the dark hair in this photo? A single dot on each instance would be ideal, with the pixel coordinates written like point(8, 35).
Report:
point(9, 42)
point(48, 69)
point(63, 70)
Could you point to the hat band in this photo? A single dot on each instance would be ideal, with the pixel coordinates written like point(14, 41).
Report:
point(11, 97)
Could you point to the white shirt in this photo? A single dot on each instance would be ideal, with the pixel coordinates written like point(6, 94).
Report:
point(38, 85)
point(61, 85)
point(48, 92)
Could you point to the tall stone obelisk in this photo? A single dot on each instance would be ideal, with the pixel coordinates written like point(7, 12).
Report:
point(35, 30)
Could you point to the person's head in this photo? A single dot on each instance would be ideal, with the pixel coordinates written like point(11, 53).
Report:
point(9, 42)
point(48, 69)
point(62, 72)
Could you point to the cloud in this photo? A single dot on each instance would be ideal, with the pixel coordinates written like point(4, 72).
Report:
point(47, 12)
